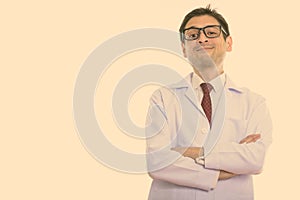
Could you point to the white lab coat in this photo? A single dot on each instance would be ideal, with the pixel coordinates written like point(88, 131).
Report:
point(175, 115)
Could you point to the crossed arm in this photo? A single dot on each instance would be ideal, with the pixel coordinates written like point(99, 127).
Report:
point(228, 159)
point(195, 152)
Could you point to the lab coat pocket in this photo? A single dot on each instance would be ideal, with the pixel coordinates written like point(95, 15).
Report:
point(233, 130)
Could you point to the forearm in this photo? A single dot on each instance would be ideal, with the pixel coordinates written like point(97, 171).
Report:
point(170, 166)
point(191, 152)
point(244, 157)
point(196, 152)
point(204, 179)
point(237, 158)
point(233, 159)
point(166, 164)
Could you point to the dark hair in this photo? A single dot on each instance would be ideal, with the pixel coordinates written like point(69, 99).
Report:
point(205, 11)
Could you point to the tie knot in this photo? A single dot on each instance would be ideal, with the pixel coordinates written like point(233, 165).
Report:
point(206, 87)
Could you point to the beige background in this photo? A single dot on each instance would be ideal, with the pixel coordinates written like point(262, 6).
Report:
point(42, 47)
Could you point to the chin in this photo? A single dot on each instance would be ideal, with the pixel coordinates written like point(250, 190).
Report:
point(209, 51)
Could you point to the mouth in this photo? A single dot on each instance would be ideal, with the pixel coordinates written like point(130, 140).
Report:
point(200, 48)
point(204, 48)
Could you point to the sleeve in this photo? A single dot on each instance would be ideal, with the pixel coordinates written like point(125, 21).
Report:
point(245, 158)
point(165, 164)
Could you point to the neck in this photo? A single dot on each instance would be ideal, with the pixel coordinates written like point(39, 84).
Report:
point(209, 74)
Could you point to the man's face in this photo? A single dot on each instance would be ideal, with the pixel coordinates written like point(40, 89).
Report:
point(203, 47)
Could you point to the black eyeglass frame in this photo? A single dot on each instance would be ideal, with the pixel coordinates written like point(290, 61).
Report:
point(203, 28)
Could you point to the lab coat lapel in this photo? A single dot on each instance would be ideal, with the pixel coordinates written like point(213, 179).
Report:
point(219, 115)
point(192, 97)
point(189, 92)
point(216, 125)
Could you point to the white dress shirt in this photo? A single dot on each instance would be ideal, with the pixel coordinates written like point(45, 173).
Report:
point(215, 94)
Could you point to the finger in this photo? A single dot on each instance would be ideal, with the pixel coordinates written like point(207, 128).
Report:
point(246, 139)
point(250, 138)
point(243, 141)
point(254, 138)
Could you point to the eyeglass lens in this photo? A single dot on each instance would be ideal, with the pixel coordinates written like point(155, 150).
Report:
point(209, 32)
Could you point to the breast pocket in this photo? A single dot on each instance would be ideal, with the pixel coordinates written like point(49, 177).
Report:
point(234, 130)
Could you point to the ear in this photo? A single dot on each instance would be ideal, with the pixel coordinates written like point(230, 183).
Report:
point(229, 43)
point(183, 49)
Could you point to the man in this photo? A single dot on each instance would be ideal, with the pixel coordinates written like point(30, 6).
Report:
point(206, 136)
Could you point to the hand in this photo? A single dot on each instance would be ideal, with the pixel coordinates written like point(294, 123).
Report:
point(192, 152)
point(226, 175)
point(250, 138)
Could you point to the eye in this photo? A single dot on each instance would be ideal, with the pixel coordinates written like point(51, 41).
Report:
point(191, 34)
point(194, 35)
point(211, 33)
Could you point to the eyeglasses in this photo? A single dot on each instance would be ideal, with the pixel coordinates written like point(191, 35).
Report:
point(211, 31)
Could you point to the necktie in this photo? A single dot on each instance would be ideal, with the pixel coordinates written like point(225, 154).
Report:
point(206, 101)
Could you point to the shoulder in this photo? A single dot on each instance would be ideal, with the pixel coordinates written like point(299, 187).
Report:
point(243, 92)
point(174, 88)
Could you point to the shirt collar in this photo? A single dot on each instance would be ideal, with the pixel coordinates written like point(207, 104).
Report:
point(217, 83)
point(190, 82)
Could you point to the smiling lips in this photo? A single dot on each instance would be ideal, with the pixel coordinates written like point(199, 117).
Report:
point(203, 48)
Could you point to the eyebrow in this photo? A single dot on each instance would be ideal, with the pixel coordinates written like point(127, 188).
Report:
point(201, 27)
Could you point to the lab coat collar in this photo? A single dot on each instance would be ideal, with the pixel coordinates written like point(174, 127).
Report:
point(187, 83)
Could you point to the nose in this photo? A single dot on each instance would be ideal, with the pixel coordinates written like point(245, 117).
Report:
point(202, 38)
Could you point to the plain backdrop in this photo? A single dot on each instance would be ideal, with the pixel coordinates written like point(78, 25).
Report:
point(43, 45)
